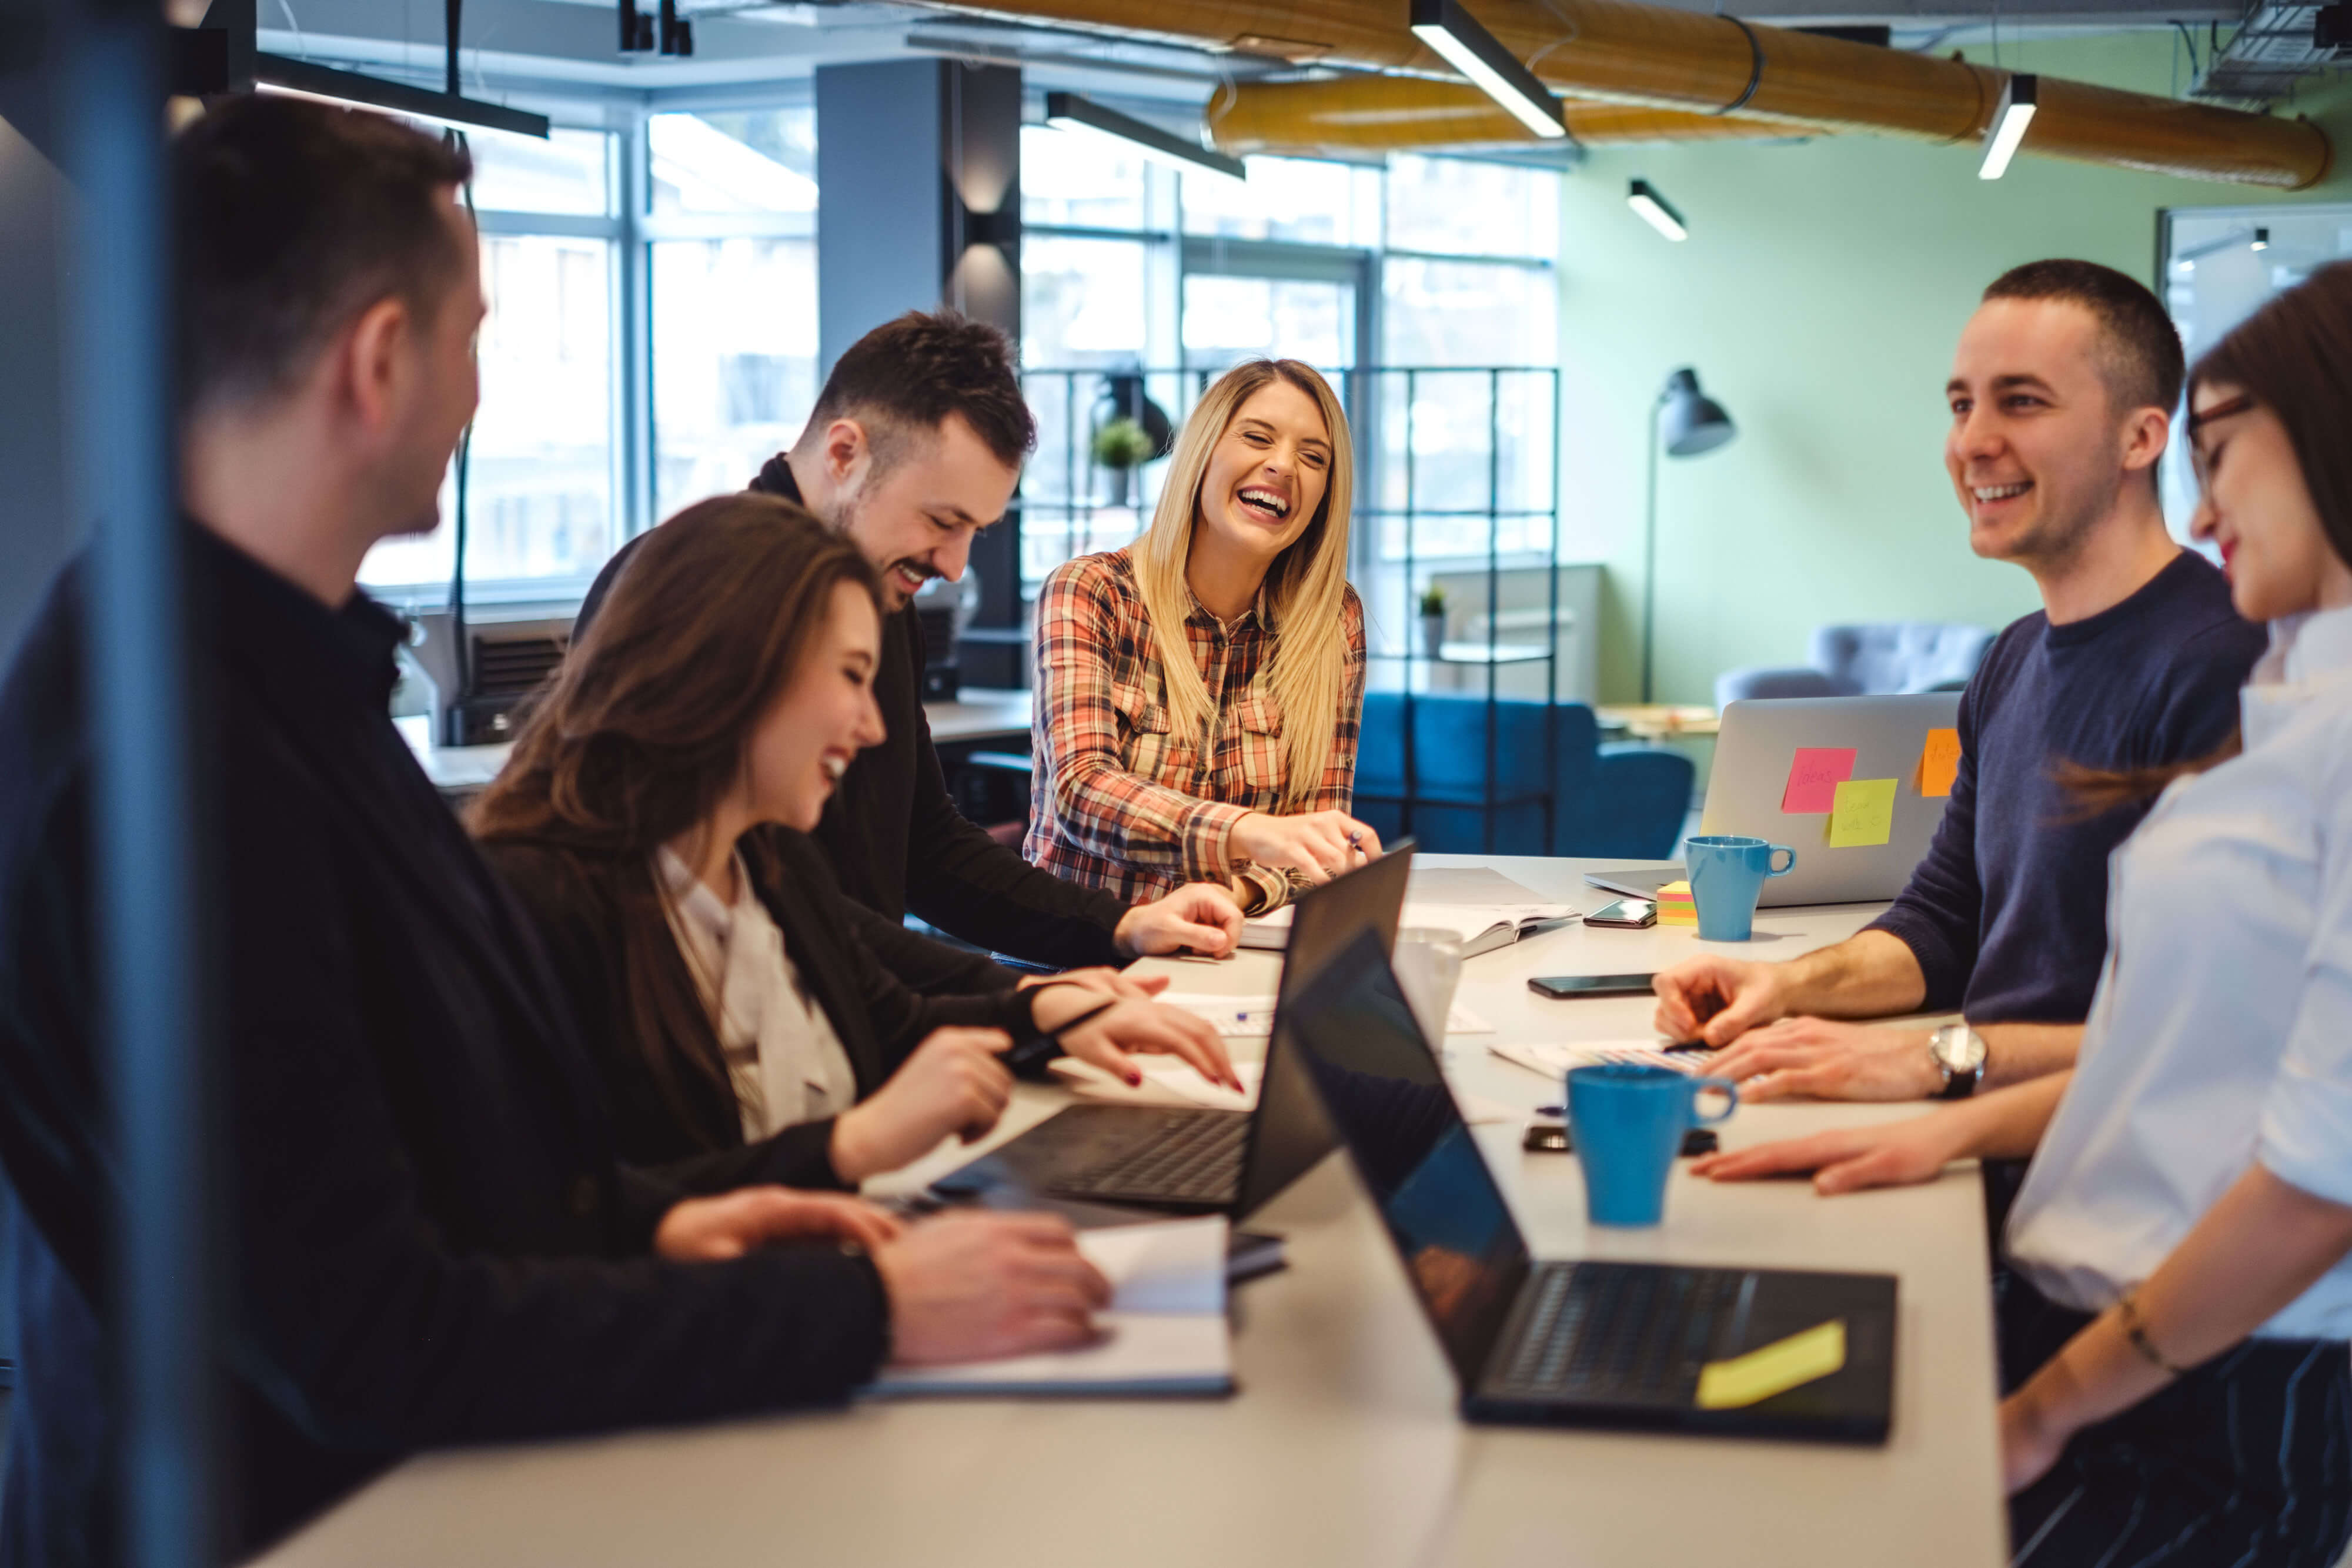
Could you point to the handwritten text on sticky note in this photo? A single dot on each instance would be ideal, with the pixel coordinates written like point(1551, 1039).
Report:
point(1814, 776)
point(1863, 814)
point(1939, 763)
point(1774, 1369)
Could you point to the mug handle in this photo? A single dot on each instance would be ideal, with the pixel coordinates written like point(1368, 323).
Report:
point(1731, 1092)
point(1771, 870)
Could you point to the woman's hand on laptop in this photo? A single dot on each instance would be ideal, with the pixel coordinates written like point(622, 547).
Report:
point(1714, 1000)
point(1107, 1039)
point(1851, 1159)
point(973, 1287)
point(1826, 1061)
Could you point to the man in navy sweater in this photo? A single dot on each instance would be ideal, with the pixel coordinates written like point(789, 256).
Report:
point(2061, 395)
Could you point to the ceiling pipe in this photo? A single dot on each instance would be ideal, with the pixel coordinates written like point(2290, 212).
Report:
point(1369, 113)
point(1627, 52)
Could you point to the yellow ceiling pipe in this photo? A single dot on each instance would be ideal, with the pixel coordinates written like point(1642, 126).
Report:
point(1627, 52)
point(1377, 113)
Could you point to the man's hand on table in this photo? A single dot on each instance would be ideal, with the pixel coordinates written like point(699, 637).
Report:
point(1714, 1001)
point(1850, 1159)
point(1199, 917)
point(1827, 1060)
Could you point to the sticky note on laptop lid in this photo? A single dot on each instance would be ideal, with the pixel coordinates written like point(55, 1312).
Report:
point(1813, 778)
point(1939, 763)
point(1862, 813)
point(1774, 1368)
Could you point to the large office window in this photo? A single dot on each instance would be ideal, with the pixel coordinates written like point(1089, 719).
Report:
point(541, 496)
point(732, 234)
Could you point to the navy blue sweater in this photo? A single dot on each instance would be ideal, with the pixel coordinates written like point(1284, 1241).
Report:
point(2008, 913)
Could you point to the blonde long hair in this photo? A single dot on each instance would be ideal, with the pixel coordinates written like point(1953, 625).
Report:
point(1307, 586)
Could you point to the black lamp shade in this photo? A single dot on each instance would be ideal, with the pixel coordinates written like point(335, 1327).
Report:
point(1689, 421)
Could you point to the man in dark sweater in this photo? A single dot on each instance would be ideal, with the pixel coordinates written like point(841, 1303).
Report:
point(429, 1241)
point(2061, 394)
point(914, 446)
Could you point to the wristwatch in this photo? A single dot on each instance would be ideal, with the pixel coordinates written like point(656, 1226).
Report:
point(1959, 1053)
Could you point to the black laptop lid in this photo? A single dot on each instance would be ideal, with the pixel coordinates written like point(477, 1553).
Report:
point(1289, 1133)
point(1380, 1086)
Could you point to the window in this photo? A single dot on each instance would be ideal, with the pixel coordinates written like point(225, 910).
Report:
point(540, 493)
point(1302, 201)
point(733, 260)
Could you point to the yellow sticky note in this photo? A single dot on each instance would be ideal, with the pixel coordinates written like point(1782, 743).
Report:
point(1775, 1369)
point(1863, 814)
point(1939, 763)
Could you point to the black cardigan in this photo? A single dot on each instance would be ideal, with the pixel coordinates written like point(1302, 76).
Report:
point(573, 900)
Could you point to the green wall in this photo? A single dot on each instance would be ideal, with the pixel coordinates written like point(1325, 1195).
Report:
point(1818, 297)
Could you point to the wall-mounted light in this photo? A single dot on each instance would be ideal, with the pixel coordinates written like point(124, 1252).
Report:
point(301, 78)
point(1480, 56)
point(1655, 210)
point(1070, 112)
point(2019, 96)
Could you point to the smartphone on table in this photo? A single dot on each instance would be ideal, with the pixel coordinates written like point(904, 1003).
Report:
point(1561, 987)
point(1625, 915)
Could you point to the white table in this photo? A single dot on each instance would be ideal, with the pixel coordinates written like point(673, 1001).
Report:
point(1342, 1447)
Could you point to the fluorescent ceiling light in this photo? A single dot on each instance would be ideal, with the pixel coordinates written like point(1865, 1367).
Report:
point(1070, 112)
point(1656, 211)
point(1469, 48)
point(301, 78)
point(2008, 122)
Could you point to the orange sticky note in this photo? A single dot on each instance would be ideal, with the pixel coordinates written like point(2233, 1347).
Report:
point(1939, 763)
point(1863, 814)
point(1813, 778)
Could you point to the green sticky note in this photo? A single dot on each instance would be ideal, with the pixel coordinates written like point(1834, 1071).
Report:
point(1774, 1369)
point(1862, 813)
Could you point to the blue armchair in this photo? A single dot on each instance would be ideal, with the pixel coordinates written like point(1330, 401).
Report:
point(1616, 803)
point(1869, 660)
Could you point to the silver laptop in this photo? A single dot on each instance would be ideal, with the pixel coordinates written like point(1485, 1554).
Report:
point(1749, 784)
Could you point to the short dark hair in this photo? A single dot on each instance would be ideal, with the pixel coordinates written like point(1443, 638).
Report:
point(2140, 357)
point(908, 376)
point(292, 217)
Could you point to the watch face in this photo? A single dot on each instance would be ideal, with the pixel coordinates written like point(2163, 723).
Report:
point(1960, 1048)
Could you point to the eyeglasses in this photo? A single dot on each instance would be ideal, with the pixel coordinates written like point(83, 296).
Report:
point(2201, 463)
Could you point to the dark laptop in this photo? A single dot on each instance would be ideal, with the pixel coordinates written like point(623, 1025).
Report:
point(1198, 1160)
point(1573, 1342)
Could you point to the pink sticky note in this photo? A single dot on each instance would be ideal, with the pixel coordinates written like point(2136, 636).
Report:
point(1814, 776)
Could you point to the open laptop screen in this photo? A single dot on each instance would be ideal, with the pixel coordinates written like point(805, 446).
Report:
point(1380, 1086)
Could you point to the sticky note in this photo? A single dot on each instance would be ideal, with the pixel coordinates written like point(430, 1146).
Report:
point(1774, 1369)
point(1863, 814)
point(1814, 776)
point(1939, 763)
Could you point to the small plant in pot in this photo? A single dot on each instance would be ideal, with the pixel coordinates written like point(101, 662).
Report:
point(1432, 620)
point(1120, 446)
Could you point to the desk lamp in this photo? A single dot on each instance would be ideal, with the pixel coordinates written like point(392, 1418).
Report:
point(1687, 422)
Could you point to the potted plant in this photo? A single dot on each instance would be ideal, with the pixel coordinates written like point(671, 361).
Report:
point(1120, 446)
point(1432, 620)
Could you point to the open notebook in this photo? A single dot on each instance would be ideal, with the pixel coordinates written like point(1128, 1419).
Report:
point(1483, 928)
point(1165, 1332)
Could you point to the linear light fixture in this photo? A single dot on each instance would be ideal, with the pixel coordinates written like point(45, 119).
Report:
point(2015, 112)
point(1072, 111)
point(301, 78)
point(1479, 55)
point(1656, 210)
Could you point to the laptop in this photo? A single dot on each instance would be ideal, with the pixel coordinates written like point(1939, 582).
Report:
point(1749, 783)
point(1576, 1341)
point(1199, 1160)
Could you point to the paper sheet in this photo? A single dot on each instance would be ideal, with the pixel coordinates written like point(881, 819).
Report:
point(1863, 814)
point(1552, 1059)
point(1242, 1018)
point(1939, 764)
point(1813, 778)
point(1167, 1080)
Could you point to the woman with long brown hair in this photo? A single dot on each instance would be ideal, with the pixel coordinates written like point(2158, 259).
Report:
point(2178, 1299)
point(1199, 692)
point(651, 819)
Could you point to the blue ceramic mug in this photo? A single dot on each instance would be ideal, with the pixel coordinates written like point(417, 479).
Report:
point(1726, 874)
point(1629, 1119)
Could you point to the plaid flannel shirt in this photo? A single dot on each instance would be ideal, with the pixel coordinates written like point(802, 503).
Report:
point(1119, 802)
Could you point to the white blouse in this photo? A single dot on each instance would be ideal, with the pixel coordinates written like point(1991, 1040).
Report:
point(2222, 1033)
point(787, 1063)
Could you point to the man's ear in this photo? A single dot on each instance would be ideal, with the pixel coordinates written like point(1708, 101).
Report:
point(369, 362)
point(846, 453)
point(2145, 436)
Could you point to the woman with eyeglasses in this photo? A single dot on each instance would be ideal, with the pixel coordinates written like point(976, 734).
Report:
point(1199, 692)
point(2176, 1296)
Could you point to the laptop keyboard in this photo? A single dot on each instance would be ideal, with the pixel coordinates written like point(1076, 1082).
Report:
point(1631, 1332)
point(1198, 1159)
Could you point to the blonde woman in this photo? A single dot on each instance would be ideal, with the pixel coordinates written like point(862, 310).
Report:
point(1199, 692)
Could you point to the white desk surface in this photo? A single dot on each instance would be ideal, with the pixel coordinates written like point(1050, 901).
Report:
point(1342, 1447)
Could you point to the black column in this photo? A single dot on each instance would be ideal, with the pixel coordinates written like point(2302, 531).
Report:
point(919, 205)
